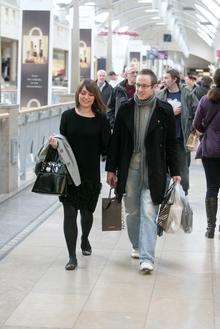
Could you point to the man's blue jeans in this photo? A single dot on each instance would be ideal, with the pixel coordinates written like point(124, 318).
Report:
point(141, 215)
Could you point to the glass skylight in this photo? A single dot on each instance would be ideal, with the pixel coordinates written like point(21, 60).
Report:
point(213, 7)
point(101, 18)
point(210, 17)
point(205, 37)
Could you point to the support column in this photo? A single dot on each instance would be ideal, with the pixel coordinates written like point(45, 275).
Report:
point(14, 61)
point(0, 56)
point(109, 40)
point(75, 67)
point(9, 149)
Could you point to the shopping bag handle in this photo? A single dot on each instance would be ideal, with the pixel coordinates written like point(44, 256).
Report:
point(110, 198)
point(110, 192)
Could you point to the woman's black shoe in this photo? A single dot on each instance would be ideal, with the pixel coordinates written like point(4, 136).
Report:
point(86, 248)
point(72, 264)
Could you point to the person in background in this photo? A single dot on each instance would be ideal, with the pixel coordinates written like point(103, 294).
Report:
point(182, 79)
point(203, 88)
point(190, 82)
point(143, 150)
point(87, 131)
point(159, 86)
point(184, 104)
point(123, 92)
point(105, 88)
point(207, 122)
point(113, 79)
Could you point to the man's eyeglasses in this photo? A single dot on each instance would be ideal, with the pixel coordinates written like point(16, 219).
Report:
point(139, 85)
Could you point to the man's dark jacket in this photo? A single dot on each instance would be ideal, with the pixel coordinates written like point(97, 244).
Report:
point(107, 93)
point(119, 97)
point(160, 143)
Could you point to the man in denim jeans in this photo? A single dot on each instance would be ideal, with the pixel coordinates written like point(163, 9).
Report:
point(143, 151)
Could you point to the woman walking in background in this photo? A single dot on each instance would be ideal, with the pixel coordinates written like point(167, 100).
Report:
point(88, 132)
point(207, 122)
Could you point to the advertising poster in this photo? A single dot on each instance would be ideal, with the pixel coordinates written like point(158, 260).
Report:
point(35, 51)
point(134, 58)
point(85, 53)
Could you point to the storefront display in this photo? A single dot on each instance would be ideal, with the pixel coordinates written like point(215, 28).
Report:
point(59, 70)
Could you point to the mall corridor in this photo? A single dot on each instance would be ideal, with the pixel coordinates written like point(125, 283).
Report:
point(107, 291)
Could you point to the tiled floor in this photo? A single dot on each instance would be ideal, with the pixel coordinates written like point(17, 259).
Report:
point(107, 291)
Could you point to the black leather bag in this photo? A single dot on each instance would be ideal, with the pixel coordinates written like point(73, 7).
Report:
point(111, 214)
point(51, 175)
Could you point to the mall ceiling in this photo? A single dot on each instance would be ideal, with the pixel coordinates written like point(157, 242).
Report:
point(181, 17)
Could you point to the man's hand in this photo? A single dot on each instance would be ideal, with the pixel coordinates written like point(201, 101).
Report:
point(111, 179)
point(177, 110)
point(176, 179)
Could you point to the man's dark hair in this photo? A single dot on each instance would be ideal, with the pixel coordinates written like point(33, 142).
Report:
point(150, 73)
point(206, 81)
point(174, 75)
point(191, 77)
point(214, 93)
point(111, 73)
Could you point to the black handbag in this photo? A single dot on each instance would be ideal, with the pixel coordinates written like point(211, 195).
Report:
point(51, 175)
point(111, 214)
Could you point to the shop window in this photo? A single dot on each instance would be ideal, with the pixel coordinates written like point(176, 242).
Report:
point(59, 70)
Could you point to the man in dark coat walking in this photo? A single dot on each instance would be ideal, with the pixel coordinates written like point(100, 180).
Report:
point(123, 92)
point(143, 151)
point(105, 88)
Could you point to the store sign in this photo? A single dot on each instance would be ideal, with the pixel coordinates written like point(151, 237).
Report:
point(134, 58)
point(85, 53)
point(162, 54)
point(35, 52)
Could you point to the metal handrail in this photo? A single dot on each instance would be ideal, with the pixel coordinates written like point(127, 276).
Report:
point(4, 116)
point(45, 108)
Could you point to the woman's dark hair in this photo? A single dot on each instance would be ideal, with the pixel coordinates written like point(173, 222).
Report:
point(214, 93)
point(98, 106)
point(174, 75)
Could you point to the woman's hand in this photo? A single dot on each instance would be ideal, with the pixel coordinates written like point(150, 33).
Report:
point(53, 142)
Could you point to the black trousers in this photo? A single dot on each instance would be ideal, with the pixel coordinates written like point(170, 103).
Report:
point(184, 158)
point(212, 174)
point(70, 226)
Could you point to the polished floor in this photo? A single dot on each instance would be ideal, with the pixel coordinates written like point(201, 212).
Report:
point(107, 291)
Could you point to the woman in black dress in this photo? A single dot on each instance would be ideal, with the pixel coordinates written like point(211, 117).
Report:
point(87, 130)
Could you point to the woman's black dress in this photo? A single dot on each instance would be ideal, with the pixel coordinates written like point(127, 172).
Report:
point(88, 138)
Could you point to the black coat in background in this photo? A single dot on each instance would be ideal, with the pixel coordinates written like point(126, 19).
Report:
point(160, 144)
point(107, 92)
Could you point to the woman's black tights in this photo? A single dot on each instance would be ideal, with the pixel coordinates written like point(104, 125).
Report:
point(70, 226)
point(212, 173)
